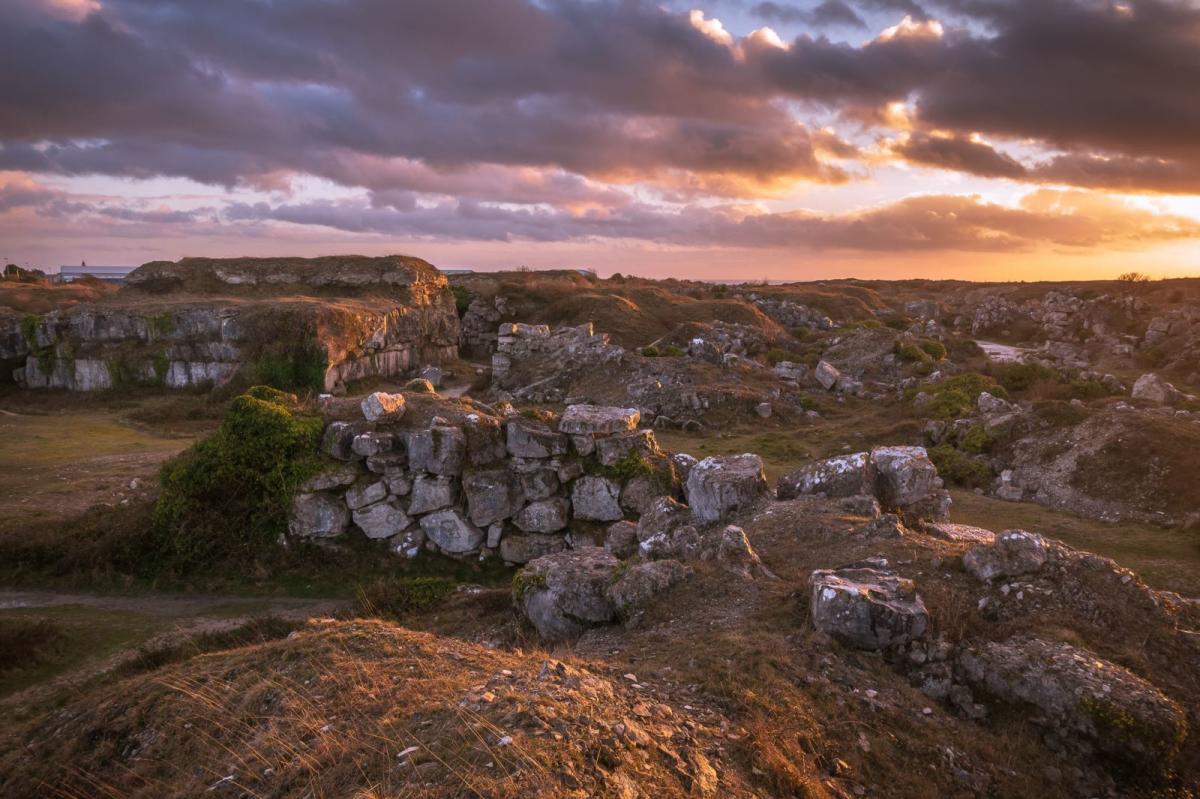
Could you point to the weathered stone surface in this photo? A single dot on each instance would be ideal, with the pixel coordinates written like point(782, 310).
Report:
point(544, 516)
point(639, 584)
point(621, 539)
point(683, 464)
point(383, 407)
point(485, 440)
point(598, 420)
point(736, 554)
point(381, 520)
point(1081, 697)
point(438, 450)
point(665, 530)
point(492, 495)
point(369, 444)
point(596, 499)
point(537, 478)
point(903, 475)
point(432, 492)
point(388, 464)
point(451, 532)
point(337, 476)
point(640, 491)
point(614, 448)
point(318, 516)
point(718, 486)
point(841, 476)
point(991, 406)
point(522, 548)
point(960, 533)
point(1014, 552)
point(565, 593)
point(1152, 388)
point(338, 440)
point(528, 438)
point(827, 375)
point(365, 492)
point(867, 606)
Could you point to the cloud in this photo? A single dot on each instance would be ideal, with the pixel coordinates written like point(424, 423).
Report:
point(827, 14)
point(960, 154)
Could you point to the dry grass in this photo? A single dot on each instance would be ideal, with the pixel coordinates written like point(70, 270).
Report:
point(38, 298)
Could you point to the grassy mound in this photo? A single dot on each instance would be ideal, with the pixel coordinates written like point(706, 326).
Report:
point(227, 497)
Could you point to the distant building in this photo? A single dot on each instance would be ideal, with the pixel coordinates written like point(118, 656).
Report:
point(109, 274)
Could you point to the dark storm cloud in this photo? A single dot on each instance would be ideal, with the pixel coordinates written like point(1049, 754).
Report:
point(230, 92)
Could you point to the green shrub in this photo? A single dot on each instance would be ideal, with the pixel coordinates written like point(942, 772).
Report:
point(227, 498)
point(956, 397)
point(977, 440)
point(911, 353)
point(1020, 376)
point(44, 355)
point(396, 597)
point(958, 468)
point(933, 348)
point(898, 322)
point(1059, 414)
point(462, 299)
point(777, 354)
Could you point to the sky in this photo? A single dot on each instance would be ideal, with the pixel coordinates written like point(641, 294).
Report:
point(706, 139)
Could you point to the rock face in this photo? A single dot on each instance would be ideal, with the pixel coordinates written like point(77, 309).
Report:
point(395, 314)
point(1152, 388)
point(536, 363)
point(451, 532)
point(867, 606)
point(592, 419)
point(563, 594)
point(597, 499)
point(637, 585)
point(382, 406)
point(717, 486)
point(903, 475)
point(318, 516)
point(1014, 552)
point(842, 476)
point(1081, 696)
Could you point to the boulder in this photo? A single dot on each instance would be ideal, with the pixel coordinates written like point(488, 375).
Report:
point(637, 585)
point(1152, 388)
point(827, 375)
point(598, 420)
point(615, 448)
point(866, 605)
point(621, 539)
point(735, 553)
point(485, 439)
point(518, 548)
point(372, 443)
point(1082, 698)
point(717, 486)
point(903, 475)
point(451, 532)
point(841, 476)
point(596, 499)
point(365, 492)
point(338, 439)
point(992, 406)
point(383, 407)
point(492, 495)
point(318, 515)
point(529, 438)
point(536, 478)
point(432, 492)
point(1013, 553)
point(381, 520)
point(544, 516)
point(438, 450)
point(389, 464)
point(565, 593)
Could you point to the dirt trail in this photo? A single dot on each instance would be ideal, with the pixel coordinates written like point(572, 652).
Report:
point(1002, 353)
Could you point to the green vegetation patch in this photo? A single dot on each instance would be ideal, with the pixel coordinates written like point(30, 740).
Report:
point(44, 355)
point(227, 498)
point(959, 468)
point(292, 367)
point(525, 581)
point(397, 597)
point(956, 397)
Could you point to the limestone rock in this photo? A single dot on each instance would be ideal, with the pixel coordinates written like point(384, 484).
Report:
point(615, 448)
point(1152, 388)
point(438, 450)
point(485, 439)
point(717, 486)
point(365, 492)
point(451, 532)
point(960, 533)
point(492, 495)
point(432, 492)
point(409, 543)
point(903, 475)
point(598, 420)
point(1014, 552)
point(1081, 696)
point(318, 516)
point(841, 476)
point(528, 438)
point(369, 444)
point(383, 407)
point(596, 499)
point(735, 553)
point(543, 516)
point(637, 585)
point(867, 606)
point(621, 539)
point(565, 593)
point(337, 476)
point(518, 548)
point(827, 375)
point(381, 520)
